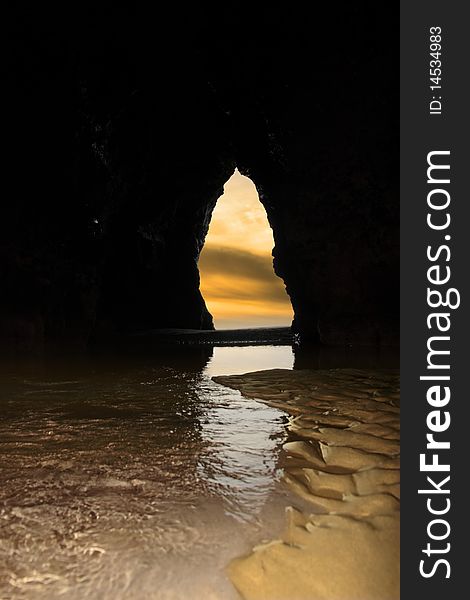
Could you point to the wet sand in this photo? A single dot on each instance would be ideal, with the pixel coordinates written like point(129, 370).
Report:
point(342, 461)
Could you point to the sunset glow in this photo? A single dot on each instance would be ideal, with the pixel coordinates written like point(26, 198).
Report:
point(237, 278)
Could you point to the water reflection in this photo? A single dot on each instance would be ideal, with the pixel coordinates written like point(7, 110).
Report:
point(120, 476)
point(232, 361)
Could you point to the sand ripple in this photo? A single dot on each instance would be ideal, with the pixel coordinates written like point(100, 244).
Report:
point(342, 459)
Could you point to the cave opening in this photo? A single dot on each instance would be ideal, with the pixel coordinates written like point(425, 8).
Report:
point(237, 279)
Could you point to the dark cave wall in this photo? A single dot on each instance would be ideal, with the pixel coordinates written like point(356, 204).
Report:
point(120, 142)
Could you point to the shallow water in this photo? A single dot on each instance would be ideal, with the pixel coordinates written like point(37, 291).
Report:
point(136, 478)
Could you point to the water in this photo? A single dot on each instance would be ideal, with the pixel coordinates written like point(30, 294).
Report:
point(136, 478)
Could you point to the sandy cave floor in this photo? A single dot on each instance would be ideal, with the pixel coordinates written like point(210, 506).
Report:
point(342, 457)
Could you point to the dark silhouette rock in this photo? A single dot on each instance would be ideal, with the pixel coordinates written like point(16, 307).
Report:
point(122, 129)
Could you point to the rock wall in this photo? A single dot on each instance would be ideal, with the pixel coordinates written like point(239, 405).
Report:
point(122, 129)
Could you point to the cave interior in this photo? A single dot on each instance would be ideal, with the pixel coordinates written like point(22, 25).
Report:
point(122, 131)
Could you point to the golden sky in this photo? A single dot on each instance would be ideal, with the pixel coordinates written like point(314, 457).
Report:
point(237, 278)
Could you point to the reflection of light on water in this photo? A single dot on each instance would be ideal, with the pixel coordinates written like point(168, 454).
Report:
point(242, 439)
point(120, 477)
point(233, 361)
point(243, 435)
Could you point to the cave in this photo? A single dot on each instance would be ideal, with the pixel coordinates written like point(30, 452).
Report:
point(150, 449)
point(117, 157)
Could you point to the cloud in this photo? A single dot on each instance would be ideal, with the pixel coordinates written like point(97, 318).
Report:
point(237, 263)
point(239, 219)
point(237, 277)
point(236, 282)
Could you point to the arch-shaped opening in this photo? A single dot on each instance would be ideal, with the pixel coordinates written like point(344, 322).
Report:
point(238, 282)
